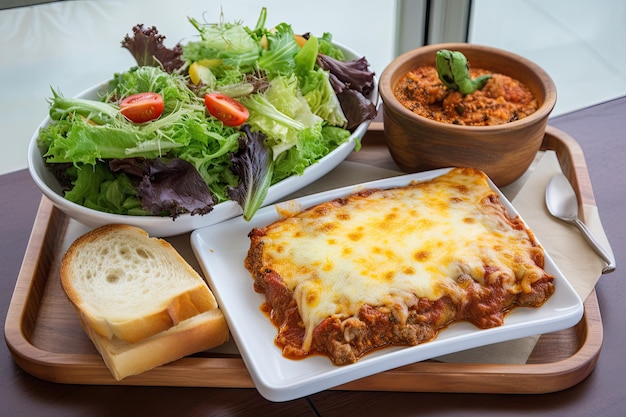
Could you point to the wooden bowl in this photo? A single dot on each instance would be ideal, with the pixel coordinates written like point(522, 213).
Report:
point(504, 152)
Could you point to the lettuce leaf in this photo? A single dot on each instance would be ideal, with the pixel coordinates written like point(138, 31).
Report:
point(327, 48)
point(312, 146)
point(315, 85)
point(281, 113)
point(170, 186)
point(281, 51)
point(209, 151)
point(77, 140)
point(148, 49)
point(96, 187)
point(253, 164)
point(352, 81)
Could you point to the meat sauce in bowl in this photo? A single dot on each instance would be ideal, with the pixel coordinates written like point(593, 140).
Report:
point(502, 99)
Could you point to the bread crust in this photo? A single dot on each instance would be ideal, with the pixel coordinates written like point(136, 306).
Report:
point(199, 333)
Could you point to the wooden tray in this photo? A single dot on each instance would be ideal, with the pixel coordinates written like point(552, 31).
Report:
point(46, 340)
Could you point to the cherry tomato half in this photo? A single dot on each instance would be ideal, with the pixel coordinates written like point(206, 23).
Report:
point(142, 107)
point(228, 110)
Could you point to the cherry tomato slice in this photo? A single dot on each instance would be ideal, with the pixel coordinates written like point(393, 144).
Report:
point(142, 107)
point(228, 110)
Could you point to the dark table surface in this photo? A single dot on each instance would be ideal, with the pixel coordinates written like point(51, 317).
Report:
point(600, 132)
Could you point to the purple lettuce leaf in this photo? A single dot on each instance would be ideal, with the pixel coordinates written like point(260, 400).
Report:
point(172, 186)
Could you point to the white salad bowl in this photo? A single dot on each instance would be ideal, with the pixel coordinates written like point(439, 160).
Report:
point(166, 226)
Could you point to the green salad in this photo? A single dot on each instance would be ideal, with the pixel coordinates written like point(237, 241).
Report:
point(220, 118)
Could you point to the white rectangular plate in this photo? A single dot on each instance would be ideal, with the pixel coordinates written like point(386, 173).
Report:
point(222, 248)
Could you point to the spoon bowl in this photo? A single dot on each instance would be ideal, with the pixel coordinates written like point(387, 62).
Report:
point(562, 203)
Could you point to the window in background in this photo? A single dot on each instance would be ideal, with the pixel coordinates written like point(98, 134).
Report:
point(579, 43)
point(422, 22)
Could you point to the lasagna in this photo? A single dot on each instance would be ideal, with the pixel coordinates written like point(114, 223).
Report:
point(384, 267)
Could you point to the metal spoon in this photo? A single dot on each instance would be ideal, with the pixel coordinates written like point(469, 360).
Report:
point(563, 204)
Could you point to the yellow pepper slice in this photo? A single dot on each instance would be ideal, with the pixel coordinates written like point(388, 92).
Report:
point(200, 72)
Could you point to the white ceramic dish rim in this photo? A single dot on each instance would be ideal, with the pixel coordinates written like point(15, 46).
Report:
point(166, 226)
point(221, 249)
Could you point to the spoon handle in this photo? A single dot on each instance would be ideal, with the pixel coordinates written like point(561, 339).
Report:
point(597, 246)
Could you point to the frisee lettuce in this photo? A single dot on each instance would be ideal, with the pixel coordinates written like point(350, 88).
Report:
point(231, 43)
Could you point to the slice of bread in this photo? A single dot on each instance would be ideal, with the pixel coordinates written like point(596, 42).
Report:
point(128, 285)
point(141, 304)
point(199, 333)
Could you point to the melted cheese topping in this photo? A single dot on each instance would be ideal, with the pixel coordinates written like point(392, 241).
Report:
point(392, 247)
